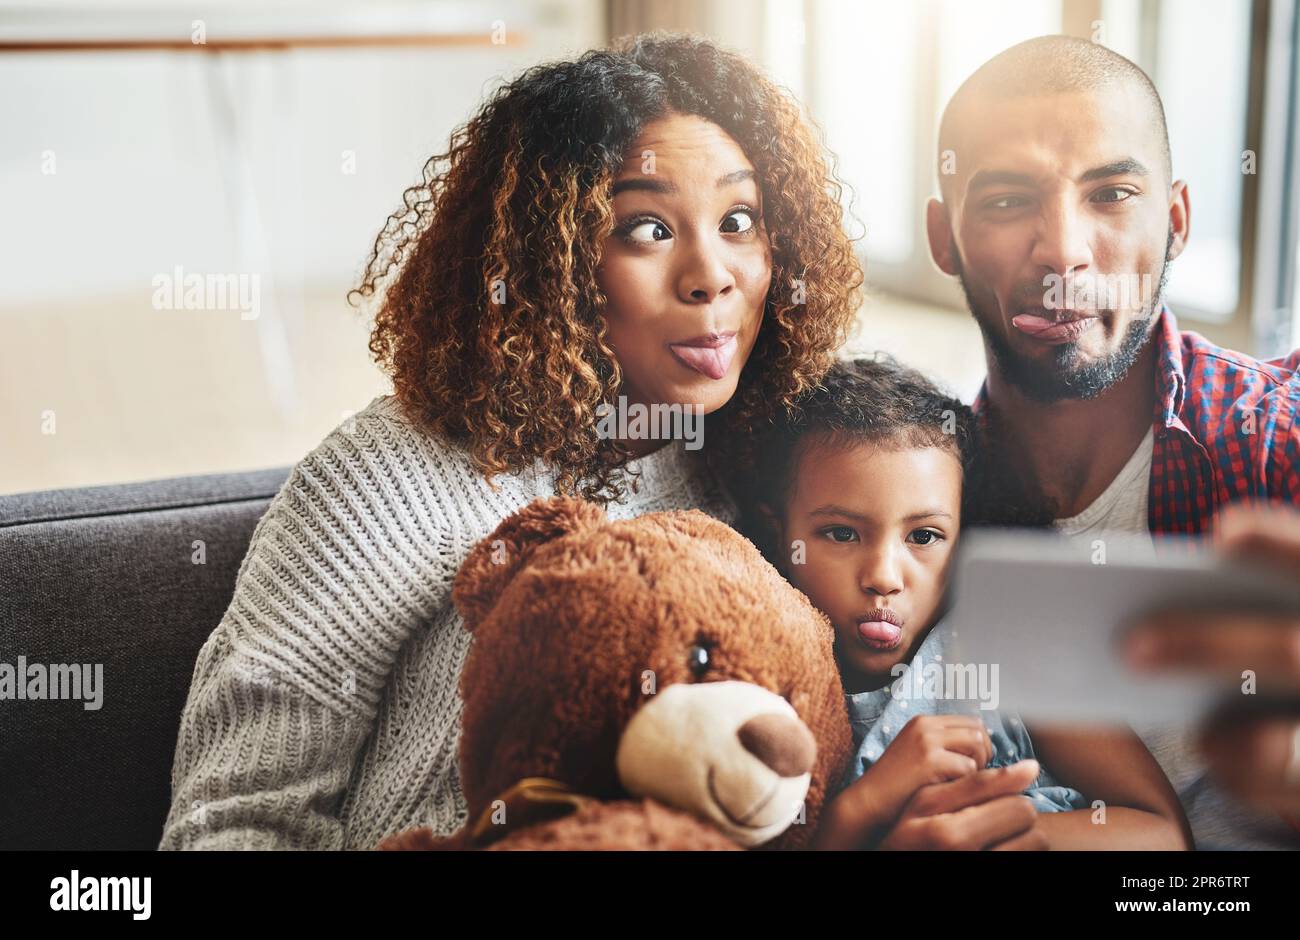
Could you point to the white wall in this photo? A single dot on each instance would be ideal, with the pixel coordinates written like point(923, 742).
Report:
point(117, 167)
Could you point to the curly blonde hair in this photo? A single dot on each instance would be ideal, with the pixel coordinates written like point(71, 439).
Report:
point(493, 326)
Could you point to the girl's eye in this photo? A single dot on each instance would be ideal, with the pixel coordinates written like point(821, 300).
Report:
point(834, 532)
point(646, 231)
point(1118, 194)
point(738, 221)
point(925, 537)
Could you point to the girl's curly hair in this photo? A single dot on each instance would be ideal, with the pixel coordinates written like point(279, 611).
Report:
point(879, 401)
point(492, 327)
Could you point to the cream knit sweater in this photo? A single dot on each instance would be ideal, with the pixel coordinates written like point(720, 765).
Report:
point(324, 711)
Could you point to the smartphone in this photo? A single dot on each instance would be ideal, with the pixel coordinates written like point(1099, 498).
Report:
point(1042, 615)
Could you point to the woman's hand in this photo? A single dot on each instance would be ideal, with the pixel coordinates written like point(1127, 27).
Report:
point(930, 749)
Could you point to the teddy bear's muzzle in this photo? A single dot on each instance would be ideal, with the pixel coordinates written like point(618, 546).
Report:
point(731, 752)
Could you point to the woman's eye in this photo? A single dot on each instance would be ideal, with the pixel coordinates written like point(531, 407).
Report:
point(647, 231)
point(925, 537)
point(738, 221)
point(840, 533)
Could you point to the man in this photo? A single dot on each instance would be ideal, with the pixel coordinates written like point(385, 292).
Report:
point(1059, 213)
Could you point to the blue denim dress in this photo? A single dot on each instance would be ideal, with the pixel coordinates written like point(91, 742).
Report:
point(879, 715)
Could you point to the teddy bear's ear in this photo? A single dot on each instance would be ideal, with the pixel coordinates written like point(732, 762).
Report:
point(494, 561)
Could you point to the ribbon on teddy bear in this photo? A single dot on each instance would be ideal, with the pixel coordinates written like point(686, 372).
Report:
point(531, 800)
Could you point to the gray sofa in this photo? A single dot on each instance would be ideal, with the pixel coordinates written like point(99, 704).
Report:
point(107, 575)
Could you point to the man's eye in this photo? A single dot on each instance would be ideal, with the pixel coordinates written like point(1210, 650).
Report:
point(925, 537)
point(1114, 192)
point(834, 532)
point(738, 221)
point(647, 231)
point(1007, 202)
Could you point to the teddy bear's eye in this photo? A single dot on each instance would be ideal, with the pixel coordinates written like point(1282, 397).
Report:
point(697, 660)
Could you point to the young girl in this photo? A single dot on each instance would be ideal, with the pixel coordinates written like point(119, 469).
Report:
point(858, 500)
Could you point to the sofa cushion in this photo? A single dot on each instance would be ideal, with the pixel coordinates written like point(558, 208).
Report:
point(132, 578)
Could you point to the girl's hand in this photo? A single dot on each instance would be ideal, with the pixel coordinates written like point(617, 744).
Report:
point(930, 749)
point(983, 810)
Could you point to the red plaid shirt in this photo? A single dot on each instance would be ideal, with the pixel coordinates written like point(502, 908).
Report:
point(1225, 429)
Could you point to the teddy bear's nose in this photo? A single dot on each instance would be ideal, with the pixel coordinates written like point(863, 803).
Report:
point(783, 743)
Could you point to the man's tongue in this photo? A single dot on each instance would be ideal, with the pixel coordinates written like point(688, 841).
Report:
point(879, 631)
point(1032, 324)
point(711, 361)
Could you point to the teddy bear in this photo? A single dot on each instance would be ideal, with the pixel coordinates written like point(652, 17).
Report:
point(643, 683)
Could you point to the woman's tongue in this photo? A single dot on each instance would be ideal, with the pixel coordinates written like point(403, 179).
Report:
point(713, 361)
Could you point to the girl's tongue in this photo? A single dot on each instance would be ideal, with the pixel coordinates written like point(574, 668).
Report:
point(879, 633)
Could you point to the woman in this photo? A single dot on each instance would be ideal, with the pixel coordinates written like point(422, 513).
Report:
point(652, 223)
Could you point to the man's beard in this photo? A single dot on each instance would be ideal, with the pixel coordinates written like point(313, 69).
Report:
point(1064, 376)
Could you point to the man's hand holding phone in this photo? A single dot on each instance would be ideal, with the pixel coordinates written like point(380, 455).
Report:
point(1254, 751)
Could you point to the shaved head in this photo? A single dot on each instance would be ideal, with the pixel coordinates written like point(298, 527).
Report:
point(1048, 65)
point(1059, 214)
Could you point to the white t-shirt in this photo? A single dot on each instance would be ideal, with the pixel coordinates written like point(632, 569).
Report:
point(1123, 505)
point(1218, 820)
